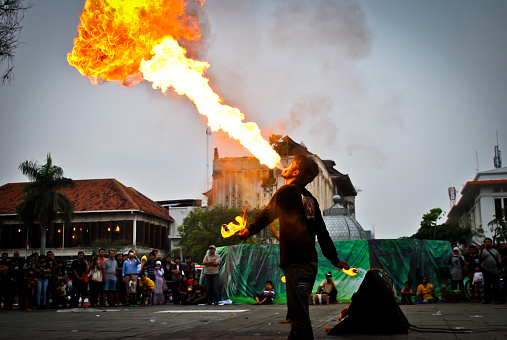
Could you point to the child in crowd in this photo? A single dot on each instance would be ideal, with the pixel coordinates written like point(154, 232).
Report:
point(406, 295)
point(133, 291)
point(198, 295)
point(478, 283)
point(182, 289)
point(61, 299)
point(147, 286)
point(29, 288)
point(158, 297)
point(266, 296)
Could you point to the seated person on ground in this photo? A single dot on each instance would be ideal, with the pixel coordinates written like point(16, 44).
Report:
point(147, 286)
point(426, 291)
point(182, 289)
point(328, 286)
point(406, 295)
point(198, 295)
point(266, 296)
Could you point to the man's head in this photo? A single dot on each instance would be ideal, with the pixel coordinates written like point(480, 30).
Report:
point(5, 257)
point(80, 256)
point(488, 242)
point(212, 249)
point(50, 256)
point(151, 256)
point(269, 284)
point(131, 255)
point(111, 254)
point(189, 259)
point(16, 255)
point(142, 276)
point(472, 250)
point(329, 276)
point(102, 253)
point(303, 169)
point(168, 260)
point(177, 260)
point(42, 258)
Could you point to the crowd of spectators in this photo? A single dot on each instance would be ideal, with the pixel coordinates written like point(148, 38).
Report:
point(102, 280)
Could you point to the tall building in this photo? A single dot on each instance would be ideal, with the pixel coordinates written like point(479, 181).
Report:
point(244, 183)
point(482, 200)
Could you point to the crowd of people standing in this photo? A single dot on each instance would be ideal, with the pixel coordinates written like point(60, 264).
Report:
point(105, 280)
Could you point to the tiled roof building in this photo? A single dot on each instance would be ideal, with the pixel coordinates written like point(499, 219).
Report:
point(103, 209)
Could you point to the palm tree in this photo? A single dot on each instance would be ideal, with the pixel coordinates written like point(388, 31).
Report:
point(41, 201)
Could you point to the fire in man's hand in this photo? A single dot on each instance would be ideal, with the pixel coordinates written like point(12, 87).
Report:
point(351, 271)
point(230, 229)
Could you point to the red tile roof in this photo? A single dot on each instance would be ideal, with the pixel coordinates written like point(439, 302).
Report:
point(90, 195)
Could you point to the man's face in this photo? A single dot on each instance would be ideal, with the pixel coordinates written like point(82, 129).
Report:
point(212, 251)
point(472, 251)
point(5, 257)
point(177, 261)
point(102, 253)
point(290, 171)
point(16, 255)
point(189, 259)
point(80, 257)
point(488, 243)
point(111, 254)
point(168, 260)
point(152, 256)
point(328, 278)
point(50, 256)
point(131, 255)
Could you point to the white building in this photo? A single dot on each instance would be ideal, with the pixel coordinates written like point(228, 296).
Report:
point(482, 200)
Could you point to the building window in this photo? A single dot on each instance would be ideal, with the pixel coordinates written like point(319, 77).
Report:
point(500, 204)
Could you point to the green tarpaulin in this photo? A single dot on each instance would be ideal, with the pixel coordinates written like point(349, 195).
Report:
point(245, 268)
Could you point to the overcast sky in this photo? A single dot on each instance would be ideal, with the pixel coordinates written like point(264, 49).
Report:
point(400, 94)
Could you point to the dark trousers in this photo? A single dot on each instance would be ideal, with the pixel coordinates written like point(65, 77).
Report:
point(458, 284)
point(212, 281)
point(95, 290)
point(7, 292)
point(490, 285)
point(78, 291)
point(174, 289)
point(300, 278)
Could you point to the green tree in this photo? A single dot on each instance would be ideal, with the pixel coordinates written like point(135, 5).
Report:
point(42, 203)
point(431, 230)
point(498, 227)
point(202, 227)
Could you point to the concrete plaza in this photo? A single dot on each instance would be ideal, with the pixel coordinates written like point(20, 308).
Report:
point(238, 321)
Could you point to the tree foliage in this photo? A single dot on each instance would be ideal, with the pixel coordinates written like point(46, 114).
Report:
point(498, 228)
point(42, 203)
point(11, 14)
point(202, 227)
point(430, 230)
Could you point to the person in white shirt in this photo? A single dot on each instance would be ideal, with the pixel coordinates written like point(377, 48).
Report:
point(211, 262)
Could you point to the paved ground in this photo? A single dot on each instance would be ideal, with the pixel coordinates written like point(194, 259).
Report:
point(237, 322)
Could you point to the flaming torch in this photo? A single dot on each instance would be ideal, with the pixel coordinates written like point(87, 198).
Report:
point(131, 40)
point(230, 229)
point(351, 271)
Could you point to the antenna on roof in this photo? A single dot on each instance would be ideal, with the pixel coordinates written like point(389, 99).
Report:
point(497, 160)
point(477, 161)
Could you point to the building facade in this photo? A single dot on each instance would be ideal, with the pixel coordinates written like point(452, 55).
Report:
point(244, 183)
point(482, 200)
point(103, 209)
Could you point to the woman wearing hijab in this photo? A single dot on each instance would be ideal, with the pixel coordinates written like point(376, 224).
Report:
point(457, 266)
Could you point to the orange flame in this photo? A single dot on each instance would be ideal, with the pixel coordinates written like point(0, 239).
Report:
point(230, 229)
point(131, 40)
point(351, 271)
